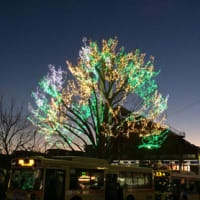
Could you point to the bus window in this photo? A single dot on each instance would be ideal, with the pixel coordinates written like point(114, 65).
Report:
point(26, 179)
point(135, 180)
point(86, 179)
point(54, 184)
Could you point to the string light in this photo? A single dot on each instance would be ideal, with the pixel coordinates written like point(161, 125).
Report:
point(86, 109)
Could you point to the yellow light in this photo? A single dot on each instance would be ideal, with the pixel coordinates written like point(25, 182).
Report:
point(92, 178)
point(182, 181)
point(86, 178)
point(101, 168)
point(159, 174)
point(20, 162)
point(23, 164)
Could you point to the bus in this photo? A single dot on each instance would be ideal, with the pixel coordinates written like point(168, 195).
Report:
point(176, 185)
point(75, 178)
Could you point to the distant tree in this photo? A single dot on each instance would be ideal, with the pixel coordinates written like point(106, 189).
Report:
point(86, 109)
point(16, 132)
point(37, 143)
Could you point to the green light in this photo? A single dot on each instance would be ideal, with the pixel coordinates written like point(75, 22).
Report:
point(86, 109)
point(154, 141)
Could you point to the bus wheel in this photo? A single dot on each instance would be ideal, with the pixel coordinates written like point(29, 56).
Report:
point(130, 197)
point(76, 198)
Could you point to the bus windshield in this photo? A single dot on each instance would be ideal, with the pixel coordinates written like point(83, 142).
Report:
point(26, 179)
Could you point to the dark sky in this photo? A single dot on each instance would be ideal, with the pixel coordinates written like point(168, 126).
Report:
point(36, 33)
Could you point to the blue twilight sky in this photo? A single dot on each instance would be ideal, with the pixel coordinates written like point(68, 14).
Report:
point(35, 33)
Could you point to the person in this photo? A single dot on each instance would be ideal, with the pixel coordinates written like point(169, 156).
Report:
point(176, 192)
point(113, 189)
point(2, 185)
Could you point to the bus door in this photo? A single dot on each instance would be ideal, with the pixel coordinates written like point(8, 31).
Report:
point(54, 184)
point(162, 185)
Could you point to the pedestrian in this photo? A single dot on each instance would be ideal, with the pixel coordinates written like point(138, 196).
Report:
point(2, 185)
point(113, 189)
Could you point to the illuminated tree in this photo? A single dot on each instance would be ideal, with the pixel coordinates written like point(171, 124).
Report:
point(86, 110)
